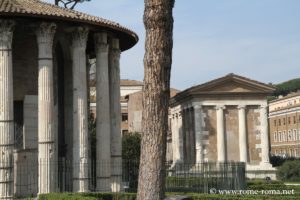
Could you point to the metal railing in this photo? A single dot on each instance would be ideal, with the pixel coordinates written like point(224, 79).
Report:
point(180, 177)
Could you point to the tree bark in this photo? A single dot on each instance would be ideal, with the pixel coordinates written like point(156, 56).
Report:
point(158, 21)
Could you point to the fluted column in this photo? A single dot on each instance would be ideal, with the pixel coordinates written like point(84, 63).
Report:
point(192, 136)
point(197, 127)
point(264, 135)
point(242, 134)
point(6, 110)
point(174, 138)
point(221, 134)
point(180, 138)
point(47, 132)
point(186, 132)
point(103, 172)
point(80, 114)
point(115, 114)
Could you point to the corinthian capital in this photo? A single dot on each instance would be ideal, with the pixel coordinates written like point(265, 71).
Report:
point(101, 42)
point(45, 32)
point(80, 37)
point(6, 33)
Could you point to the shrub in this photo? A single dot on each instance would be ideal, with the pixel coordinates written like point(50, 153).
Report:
point(289, 171)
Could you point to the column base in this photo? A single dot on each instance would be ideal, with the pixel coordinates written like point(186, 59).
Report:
point(260, 171)
point(103, 184)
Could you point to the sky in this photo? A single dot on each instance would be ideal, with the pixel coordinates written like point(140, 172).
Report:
point(258, 39)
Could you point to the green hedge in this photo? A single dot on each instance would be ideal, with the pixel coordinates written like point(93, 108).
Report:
point(289, 171)
point(252, 185)
point(88, 196)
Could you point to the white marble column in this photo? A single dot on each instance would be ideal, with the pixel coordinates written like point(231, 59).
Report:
point(264, 136)
point(180, 138)
point(242, 134)
point(47, 132)
point(175, 139)
point(115, 114)
point(198, 126)
point(221, 134)
point(80, 113)
point(103, 163)
point(6, 110)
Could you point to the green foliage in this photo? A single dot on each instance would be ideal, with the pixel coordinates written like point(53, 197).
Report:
point(287, 87)
point(131, 150)
point(88, 196)
point(289, 171)
point(277, 161)
point(131, 146)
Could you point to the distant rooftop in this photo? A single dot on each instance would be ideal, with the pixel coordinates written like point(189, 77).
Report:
point(127, 82)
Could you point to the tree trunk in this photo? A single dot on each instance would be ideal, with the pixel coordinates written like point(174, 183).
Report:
point(158, 21)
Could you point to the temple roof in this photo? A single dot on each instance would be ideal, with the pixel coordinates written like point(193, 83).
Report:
point(45, 11)
point(229, 85)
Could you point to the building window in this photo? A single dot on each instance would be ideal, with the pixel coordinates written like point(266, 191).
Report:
point(124, 117)
point(279, 122)
point(283, 121)
point(280, 136)
point(294, 119)
point(295, 135)
point(124, 132)
point(275, 122)
point(289, 120)
point(290, 137)
point(275, 136)
point(284, 137)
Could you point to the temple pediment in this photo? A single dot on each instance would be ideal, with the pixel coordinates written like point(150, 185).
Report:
point(232, 83)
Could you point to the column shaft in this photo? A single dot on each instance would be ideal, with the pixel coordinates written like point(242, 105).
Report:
point(242, 135)
point(103, 114)
point(80, 113)
point(220, 135)
point(187, 136)
point(264, 135)
point(47, 132)
point(198, 127)
point(192, 136)
point(6, 110)
point(175, 141)
point(115, 114)
point(180, 138)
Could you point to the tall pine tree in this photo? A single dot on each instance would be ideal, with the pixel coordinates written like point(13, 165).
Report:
point(158, 21)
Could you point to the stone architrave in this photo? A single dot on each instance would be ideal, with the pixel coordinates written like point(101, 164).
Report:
point(265, 160)
point(242, 134)
point(221, 134)
point(47, 132)
point(198, 126)
point(6, 110)
point(115, 115)
point(103, 146)
point(80, 113)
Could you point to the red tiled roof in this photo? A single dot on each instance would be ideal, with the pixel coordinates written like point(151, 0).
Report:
point(42, 10)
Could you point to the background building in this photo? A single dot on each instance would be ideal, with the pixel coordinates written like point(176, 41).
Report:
point(284, 120)
point(127, 87)
point(222, 120)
